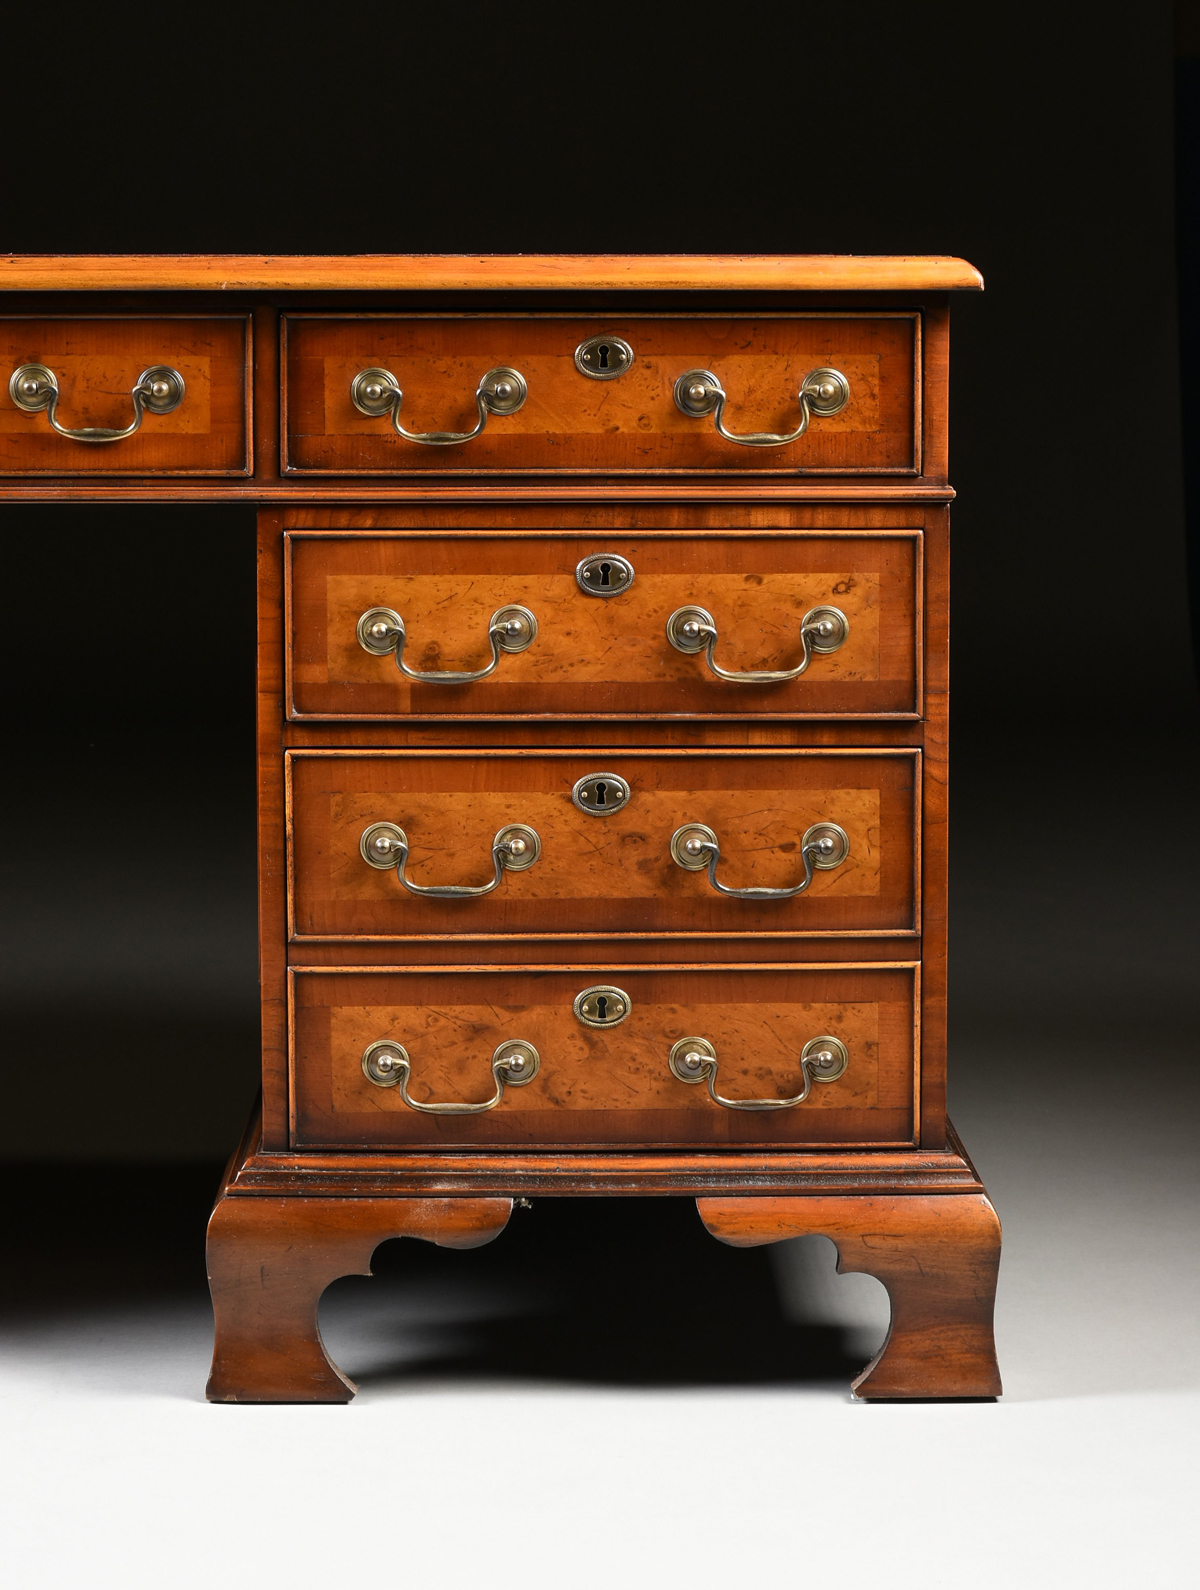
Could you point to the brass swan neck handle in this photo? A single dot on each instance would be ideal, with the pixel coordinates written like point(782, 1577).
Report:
point(387, 1065)
point(158, 390)
point(511, 629)
point(822, 1059)
point(515, 847)
point(376, 392)
point(694, 629)
point(823, 392)
point(695, 847)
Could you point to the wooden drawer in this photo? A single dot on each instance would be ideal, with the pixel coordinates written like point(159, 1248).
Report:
point(97, 362)
point(570, 423)
point(604, 1086)
point(604, 657)
point(599, 874)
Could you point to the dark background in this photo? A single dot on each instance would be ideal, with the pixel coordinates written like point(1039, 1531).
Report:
point(1035, 140)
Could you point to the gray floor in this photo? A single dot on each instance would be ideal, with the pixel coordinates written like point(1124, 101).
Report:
point(544, 1424)
point(607, 1396)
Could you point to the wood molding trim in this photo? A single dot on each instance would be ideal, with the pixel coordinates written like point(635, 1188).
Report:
point(493, 272)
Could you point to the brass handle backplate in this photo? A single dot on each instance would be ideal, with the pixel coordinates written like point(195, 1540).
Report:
point(821, 1060)
point(822, 393)
point(387, 1065)
point(158, 390)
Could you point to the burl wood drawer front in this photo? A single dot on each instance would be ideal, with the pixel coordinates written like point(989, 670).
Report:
point(604, 1085)
point(596, 656)
point(96, 363)
point(595, 873)
point(571, 423)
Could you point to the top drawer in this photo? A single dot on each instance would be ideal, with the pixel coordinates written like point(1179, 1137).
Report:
point(124, 395)
point(525, 378)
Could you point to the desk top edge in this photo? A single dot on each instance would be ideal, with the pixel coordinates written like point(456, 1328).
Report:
point(502, 272)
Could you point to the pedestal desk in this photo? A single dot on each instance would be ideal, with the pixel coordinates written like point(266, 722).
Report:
point(601, 746)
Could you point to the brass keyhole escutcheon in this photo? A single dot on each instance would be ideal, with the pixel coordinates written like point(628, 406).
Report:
point(601, 794)
point(603, 358)
point(602, 1006)
point(604, 574)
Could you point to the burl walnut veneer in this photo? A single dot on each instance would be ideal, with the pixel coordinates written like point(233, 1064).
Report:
point(601, 746)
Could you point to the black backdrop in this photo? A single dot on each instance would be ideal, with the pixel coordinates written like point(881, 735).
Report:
point(1034, 140)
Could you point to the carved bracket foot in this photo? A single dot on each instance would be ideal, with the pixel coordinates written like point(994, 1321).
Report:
point(938, 1257)
point(269, 1260)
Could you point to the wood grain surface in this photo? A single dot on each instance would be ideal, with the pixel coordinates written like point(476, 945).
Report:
point(270, 1259)
point(935, 832)
point(97, 361)
point(601, 874)
point(298, 273)
point(715, 1171)
point(620, 512)
point(937, 1256)
point(272, 833)
point(571, 424)
point(472, 492)
point(609, 1086)
point(604, 656)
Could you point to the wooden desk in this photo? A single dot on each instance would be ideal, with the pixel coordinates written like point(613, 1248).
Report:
point(602, 745)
